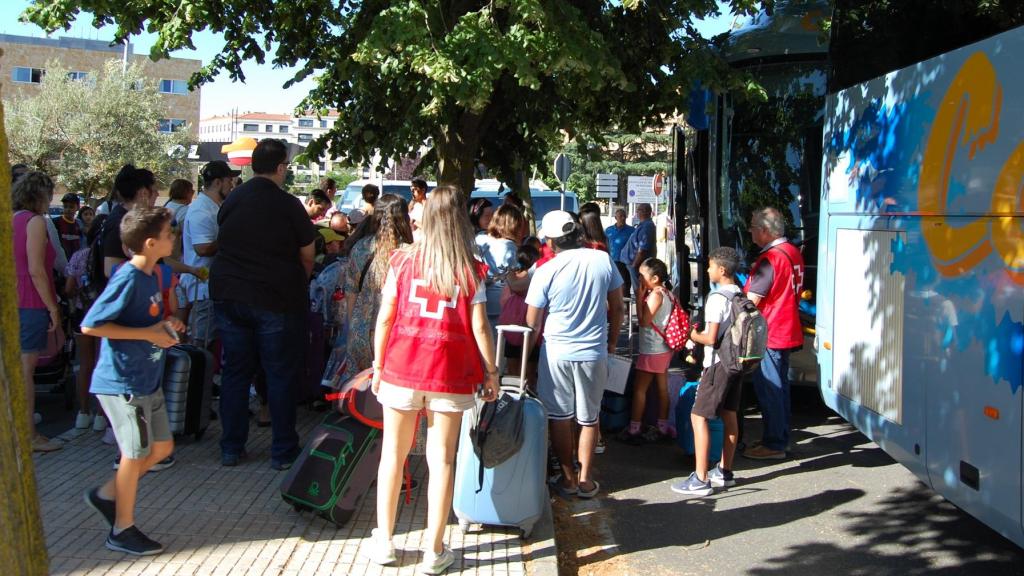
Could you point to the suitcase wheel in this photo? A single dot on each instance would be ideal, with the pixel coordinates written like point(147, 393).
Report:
point(464, 526)
point(525, 531)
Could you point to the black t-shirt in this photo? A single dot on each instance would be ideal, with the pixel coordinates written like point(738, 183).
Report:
point(112, 247)
point(262, 228)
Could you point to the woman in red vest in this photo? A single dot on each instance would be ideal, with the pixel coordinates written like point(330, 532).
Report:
point(432, 351)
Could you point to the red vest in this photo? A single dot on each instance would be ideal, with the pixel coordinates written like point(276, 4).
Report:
point(780, 306)
point(431, 347)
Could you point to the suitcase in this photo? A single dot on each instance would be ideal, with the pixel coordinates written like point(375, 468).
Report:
point(513, 493)
point(716, 428)
point(310, 387)
point(335, 470)
point(188, 389)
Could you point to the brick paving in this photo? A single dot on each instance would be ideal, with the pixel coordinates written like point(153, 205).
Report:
point(216, 520)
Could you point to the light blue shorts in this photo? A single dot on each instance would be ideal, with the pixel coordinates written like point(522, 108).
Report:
point(572, 389)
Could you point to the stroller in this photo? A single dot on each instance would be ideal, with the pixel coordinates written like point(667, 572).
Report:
point(54, 372)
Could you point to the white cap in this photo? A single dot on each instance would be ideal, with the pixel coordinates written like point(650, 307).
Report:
point(556, 224)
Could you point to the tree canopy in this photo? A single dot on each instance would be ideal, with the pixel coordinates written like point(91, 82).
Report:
point(499, 82)
point(81, 131)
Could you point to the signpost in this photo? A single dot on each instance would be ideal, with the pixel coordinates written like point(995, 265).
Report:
point(562, 170)
point(640, 190)
point(659, 183)
point(607, 186)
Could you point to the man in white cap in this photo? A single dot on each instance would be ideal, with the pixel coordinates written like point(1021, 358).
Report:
point(582, 292)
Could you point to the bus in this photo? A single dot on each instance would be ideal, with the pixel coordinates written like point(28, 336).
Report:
point(920, 297)
point(895, 146)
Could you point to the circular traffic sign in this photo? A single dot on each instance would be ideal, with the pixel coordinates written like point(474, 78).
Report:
point(659, 182)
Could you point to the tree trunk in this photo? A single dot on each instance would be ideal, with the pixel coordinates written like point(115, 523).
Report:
point(22, 547)
point(457, 148)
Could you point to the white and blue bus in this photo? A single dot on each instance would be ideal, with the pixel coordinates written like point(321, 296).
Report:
point(895, 146)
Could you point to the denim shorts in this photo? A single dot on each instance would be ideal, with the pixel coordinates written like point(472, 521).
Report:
point(33, 323)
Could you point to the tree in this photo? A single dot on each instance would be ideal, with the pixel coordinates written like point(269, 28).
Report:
point(82, 131)
point(22, 546)
point(496, 82)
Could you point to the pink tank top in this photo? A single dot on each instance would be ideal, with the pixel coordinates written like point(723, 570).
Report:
point(28, 297)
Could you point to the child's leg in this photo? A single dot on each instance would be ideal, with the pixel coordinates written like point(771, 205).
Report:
point(701, 443)
point(399, 427)
point(86, 346)
point(636, 413)
point(731, 437)
point(442, 439)
point(125, 483)
point(661, 379)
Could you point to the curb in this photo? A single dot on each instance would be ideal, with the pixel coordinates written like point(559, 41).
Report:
point(541, 552)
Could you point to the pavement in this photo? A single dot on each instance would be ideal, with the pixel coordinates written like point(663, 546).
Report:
point(840, 505)
point(217, 520)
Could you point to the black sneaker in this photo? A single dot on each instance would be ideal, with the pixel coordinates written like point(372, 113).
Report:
point(106, 508)
point(131, 540)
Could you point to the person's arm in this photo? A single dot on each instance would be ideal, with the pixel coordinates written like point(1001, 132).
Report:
point(615, 315)
point(306, 255)
point(156, 333)
point(179, 267)
point(385, 321)
point(36, 238)
point(708, 337)
point(755, 298)
point(208, 249)
point(60, 261)
point(518, 281)
point(651, 306)
point(534, 318)
point(482, 333)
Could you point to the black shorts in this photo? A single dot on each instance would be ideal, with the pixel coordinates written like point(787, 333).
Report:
point(718, 390)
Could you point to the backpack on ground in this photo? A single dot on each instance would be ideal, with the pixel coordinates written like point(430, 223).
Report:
point(743, 338)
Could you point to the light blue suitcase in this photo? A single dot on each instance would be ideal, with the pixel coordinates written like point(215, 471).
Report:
point(514, 493)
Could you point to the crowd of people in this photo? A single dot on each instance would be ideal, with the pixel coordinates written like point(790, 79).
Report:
point(421, 285)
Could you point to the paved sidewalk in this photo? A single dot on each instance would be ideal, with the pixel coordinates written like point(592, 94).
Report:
point(216, 520)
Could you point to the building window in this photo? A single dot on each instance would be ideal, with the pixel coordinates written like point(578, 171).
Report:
point(305, 122)
point(269, 128)
point(323, 123)
point(322, 166)
point(173, 87)
point(168, 125)
point(250, 127)
point(305, 137)
point(283, 129)
point(75, 76)
point(28, 75)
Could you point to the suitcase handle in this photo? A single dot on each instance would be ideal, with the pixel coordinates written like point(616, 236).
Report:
point(525, 331)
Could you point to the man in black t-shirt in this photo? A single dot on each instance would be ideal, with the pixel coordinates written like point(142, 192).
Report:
point(259, 284)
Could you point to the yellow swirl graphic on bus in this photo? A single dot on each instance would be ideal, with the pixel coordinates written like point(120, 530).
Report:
point(968, 117)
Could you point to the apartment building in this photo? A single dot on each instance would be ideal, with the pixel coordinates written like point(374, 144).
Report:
point(25, 58)
point(299, 130)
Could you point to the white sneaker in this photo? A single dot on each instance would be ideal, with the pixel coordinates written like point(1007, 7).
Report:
point(37, 417)
point(99, 423)
point(379, 551)
point(83, 420)
point(436, 563)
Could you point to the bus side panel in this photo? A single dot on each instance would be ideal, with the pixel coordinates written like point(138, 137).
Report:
point(935, 153)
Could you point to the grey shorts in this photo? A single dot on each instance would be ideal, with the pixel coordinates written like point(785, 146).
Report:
point(137, 421)
point(572, 389)
point(202, 328)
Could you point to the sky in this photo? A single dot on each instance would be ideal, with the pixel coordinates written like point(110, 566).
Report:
point(262, 90)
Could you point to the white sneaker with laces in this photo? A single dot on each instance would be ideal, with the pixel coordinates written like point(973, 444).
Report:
point(379, 551)
point(436, 563)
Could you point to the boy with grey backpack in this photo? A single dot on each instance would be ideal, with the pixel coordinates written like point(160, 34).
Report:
point(734, 338)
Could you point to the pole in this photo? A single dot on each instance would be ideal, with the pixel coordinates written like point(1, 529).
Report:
point(124, 57)
point(562, 195)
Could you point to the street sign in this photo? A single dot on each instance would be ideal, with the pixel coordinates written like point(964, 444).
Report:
point(562, 168)
point(607, 186)
point(659, 182)
point(640, 189)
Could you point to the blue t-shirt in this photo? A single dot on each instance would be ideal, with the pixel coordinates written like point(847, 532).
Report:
point(500, 256)
point(644, 237)
point(574, 287)
point(617, 238)
point(131, 298)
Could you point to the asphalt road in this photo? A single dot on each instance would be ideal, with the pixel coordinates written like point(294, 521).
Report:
point(839, 506)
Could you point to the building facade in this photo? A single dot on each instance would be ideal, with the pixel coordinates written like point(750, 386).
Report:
point(299, 130)
point(25, 59)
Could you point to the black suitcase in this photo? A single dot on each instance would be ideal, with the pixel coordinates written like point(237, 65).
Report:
point(335, 470)
point(188, 389)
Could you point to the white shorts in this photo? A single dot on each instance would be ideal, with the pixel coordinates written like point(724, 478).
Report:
point(402, 398)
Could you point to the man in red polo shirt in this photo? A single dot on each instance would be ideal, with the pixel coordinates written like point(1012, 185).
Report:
point(774, 286)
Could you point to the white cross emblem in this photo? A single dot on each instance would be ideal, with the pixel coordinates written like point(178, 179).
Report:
point(431, 304)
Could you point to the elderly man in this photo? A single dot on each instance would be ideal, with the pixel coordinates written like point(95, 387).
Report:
point(582, 292)
point(776, 278)
point(259, 284)
point(641, 244)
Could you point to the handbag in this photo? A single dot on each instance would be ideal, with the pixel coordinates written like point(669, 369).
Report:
point(677, 326)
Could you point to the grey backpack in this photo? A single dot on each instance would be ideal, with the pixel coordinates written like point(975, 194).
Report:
point(743, 338)
point(498, 432)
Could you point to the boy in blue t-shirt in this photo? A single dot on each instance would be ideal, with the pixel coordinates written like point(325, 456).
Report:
point(129, 317)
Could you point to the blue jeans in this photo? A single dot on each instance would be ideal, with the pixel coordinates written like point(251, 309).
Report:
point(254, 337)
point(771, 384)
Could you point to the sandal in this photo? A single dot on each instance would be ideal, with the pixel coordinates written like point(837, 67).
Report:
point(556, 485)
point(585, 494)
